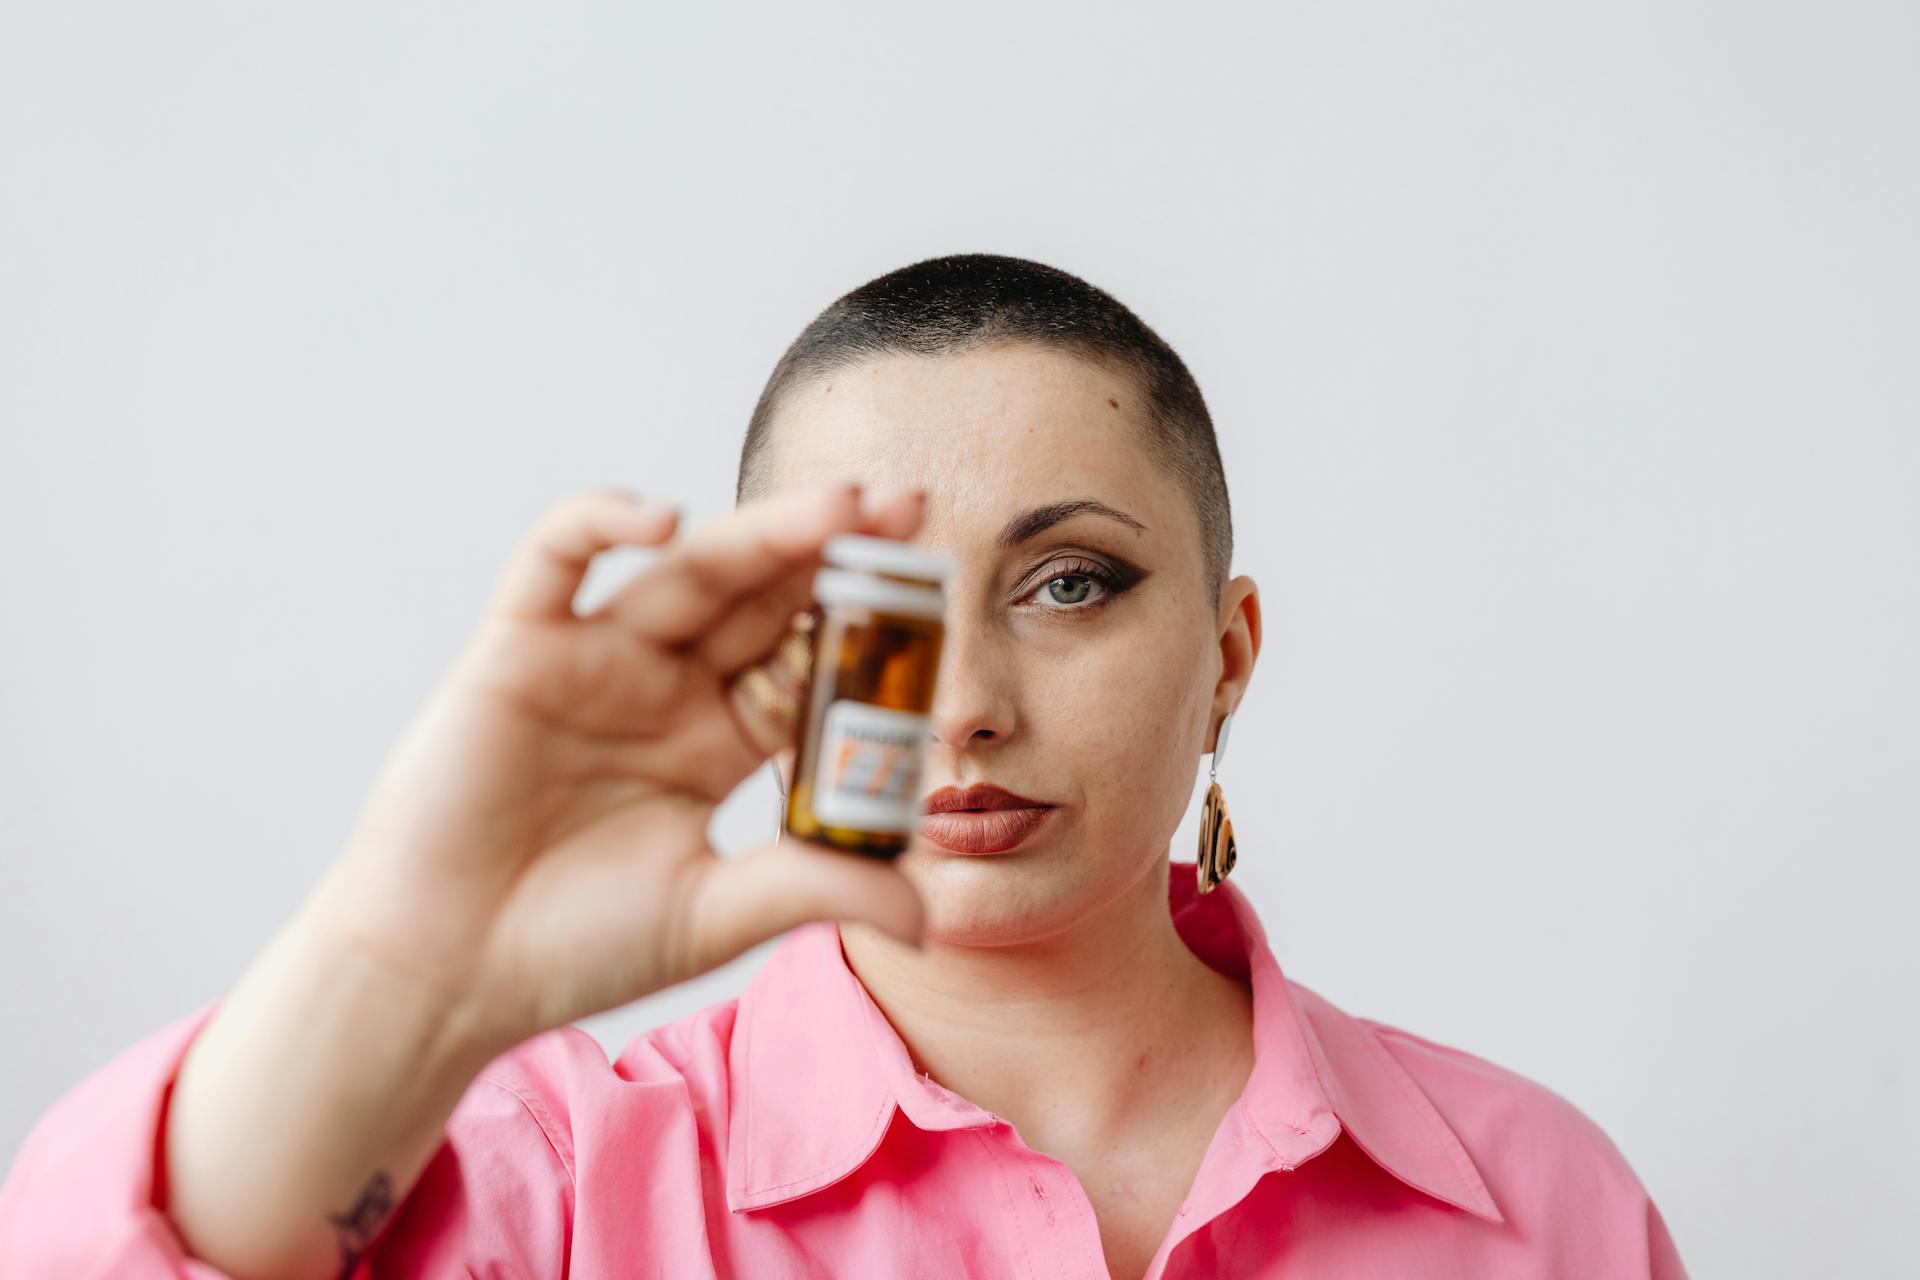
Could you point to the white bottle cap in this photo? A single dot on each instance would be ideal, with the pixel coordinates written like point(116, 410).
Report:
point(884, 555)
point(882, 595)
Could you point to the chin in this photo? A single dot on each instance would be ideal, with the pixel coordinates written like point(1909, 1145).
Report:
point(994, 899)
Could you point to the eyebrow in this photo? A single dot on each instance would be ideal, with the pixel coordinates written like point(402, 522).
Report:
point(1029, 524)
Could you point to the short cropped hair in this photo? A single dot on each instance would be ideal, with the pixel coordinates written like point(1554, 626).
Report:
point(954, 304)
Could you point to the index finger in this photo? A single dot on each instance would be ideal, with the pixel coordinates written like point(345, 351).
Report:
point(696, 584)
point(546, 569)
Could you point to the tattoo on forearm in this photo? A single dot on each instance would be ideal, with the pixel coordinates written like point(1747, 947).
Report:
point(359, 1225)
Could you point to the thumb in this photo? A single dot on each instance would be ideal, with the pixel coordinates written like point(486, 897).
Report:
point(750, 897)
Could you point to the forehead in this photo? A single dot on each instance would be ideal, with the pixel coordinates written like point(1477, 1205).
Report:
point(987, 433)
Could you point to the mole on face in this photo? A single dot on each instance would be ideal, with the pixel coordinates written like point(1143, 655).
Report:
point(1111, 401)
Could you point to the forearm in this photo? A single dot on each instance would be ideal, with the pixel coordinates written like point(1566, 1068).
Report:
point(307, 1108)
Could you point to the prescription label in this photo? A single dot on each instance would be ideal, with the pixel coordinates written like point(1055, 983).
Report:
point(868, 776)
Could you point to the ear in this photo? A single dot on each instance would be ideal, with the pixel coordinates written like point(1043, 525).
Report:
point(1239, 629)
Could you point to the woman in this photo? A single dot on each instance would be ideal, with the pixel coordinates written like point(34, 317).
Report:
point(1031, 1046)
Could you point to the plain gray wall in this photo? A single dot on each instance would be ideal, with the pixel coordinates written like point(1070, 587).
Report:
point(1563, 362)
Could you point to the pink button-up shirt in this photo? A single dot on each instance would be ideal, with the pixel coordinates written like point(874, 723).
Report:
point(785, 1132)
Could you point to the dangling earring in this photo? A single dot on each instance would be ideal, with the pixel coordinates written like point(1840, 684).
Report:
point(780, 808)
point(1217, 849)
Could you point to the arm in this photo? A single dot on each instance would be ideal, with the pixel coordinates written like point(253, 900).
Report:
point(86, 1197)
point(307, 1108)
point(534, 851)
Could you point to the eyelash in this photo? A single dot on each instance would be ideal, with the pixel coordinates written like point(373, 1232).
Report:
point(1111, 585)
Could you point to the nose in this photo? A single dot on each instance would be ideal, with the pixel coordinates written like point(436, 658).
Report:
point(973, 697)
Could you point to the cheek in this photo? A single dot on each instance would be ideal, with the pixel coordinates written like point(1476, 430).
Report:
point(1121, 716)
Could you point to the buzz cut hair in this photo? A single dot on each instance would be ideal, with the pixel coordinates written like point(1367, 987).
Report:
point(954, 304)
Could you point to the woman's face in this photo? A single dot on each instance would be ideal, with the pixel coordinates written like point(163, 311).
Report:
point(1084, 665)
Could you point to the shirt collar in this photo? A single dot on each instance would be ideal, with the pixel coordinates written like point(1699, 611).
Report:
point(817, 1071)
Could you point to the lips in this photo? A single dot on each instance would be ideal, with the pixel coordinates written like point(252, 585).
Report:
point(981, 819)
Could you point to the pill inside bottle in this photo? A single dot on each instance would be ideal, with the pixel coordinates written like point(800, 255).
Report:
point(865, 716)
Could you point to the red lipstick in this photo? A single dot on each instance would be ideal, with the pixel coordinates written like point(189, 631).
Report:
point(981, 819)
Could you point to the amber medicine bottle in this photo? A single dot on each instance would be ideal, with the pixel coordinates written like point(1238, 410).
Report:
point(865, 716)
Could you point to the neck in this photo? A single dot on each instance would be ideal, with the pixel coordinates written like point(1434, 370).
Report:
point(1075, 1037)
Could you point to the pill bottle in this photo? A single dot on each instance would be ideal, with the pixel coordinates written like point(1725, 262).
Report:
point(865, 716)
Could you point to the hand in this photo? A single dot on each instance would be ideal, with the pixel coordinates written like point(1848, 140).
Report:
point(535, 846)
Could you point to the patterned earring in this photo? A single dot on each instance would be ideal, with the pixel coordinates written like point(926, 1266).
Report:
point(1217, 849)
point(780, 806)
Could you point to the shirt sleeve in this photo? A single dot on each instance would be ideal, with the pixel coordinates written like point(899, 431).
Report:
point(1663, 1256)
point(81, 1199)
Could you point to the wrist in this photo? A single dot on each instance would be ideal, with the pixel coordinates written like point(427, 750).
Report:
point(420, 999)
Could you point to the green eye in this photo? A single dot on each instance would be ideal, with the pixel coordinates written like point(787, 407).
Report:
point(1077, 587)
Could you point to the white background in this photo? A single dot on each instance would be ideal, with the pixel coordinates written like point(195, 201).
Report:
point(1563, 362)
